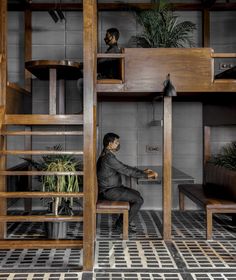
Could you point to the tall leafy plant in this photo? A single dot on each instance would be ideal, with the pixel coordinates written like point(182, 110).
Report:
point(58, 183)
point(226, 157)
point(163, 29)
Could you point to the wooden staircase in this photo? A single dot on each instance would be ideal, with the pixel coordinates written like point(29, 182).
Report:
point(8, 120)
point(13, 114)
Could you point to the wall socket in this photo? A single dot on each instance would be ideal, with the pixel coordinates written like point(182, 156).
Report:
point(225, 66)
point(152, 148)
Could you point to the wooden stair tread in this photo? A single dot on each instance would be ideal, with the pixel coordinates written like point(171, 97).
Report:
point(36, 173)
point(40, 152)
point(40, 218)
point(38, 119)
point(37, 194)
point(48, 133)
point(37, 244)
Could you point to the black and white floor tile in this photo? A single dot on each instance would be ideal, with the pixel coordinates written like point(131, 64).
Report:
point(145, 256)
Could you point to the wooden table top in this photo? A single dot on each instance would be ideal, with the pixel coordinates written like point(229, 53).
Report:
point(66, 69)
point(178, 176)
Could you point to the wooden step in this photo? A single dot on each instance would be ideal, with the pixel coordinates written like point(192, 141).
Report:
point(38, 119)
point(41, 218)
point(38, 244)
point(40, 194)
point(40, 133)
point(38, 173)
point(40, 152)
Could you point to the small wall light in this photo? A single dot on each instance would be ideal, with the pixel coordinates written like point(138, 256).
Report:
point(60, 14)
point(53, 14)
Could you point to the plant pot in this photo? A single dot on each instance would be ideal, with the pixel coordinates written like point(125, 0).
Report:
point(56, 230)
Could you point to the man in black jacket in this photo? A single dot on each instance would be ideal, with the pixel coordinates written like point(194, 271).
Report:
point(109, 171)
point(107, 68)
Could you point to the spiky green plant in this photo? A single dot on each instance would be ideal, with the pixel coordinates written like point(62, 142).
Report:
point(58, 183)
point(162, 28)
point(226, 157)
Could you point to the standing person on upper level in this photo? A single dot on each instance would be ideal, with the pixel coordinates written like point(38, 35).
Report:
point(109, 171)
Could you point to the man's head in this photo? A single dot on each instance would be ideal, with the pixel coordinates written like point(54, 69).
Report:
point(111, 141)
point(112, 36)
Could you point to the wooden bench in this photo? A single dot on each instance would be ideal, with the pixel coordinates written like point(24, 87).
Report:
point(116, 207)
point(196, 193)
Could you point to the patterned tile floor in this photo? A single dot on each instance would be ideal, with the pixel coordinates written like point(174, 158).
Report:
point(145, 256)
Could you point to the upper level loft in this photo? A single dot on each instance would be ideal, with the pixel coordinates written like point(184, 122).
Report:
point(144, 71)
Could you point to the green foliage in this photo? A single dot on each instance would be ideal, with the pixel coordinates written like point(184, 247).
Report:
point(162, 29)
point(58, 183)
point(227, 157)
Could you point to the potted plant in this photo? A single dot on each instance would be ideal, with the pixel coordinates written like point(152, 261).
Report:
point(226, 157)
point(220, 175)
point(161, 28)
point(58, 183)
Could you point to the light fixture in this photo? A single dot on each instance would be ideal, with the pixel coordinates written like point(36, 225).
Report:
point(60, 14)
point(54, 16)
point(57, 13)
point(169, 89)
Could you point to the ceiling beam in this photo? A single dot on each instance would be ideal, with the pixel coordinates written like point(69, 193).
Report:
point(119, 6)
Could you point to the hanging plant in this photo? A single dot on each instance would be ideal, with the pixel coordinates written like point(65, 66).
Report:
point(163, 29)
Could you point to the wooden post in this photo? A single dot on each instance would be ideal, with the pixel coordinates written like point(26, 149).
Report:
point(3, 88)
point(167, 167)
point(52, 91)
point(90, 101)
point(206, 144)
point(28, 46)
point(205, 28)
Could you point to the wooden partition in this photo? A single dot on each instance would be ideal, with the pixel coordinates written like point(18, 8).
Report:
point(191, 71)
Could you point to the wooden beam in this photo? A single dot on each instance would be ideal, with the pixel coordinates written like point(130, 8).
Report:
point(3, 90)
point(90, 100)
point(167, 167)
point(123, 6)
point(38, 119)
point(28, 46)
point(37, 244)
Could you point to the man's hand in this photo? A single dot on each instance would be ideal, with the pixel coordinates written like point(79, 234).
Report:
point(151, 174)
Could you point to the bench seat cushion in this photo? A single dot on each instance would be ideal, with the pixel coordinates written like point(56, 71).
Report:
point(107, 204)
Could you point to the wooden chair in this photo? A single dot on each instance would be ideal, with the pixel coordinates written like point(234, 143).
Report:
point(115, 207)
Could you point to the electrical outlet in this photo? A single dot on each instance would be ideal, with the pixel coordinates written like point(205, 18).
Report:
point(152, 148)
point(225, 66)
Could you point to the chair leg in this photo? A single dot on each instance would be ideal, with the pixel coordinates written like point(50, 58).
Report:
point(181, 201)
point(209, 225)
point(125, 225)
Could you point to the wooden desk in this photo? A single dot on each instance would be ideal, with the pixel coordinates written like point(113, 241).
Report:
point(54, 70)
point(178, 176)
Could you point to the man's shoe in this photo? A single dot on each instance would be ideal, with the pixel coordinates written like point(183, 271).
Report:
point(132, 229)
point(132, 225)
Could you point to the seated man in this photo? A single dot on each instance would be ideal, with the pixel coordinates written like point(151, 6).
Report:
point(109, 170)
